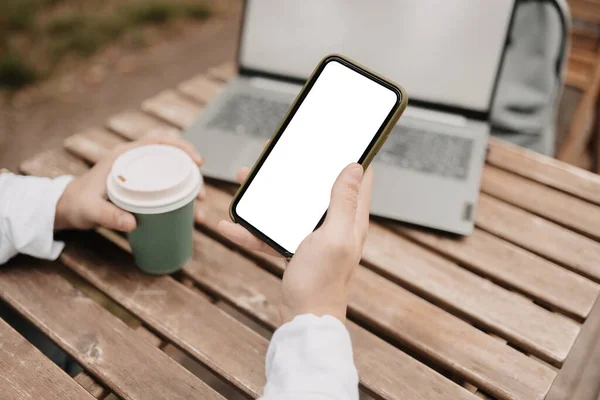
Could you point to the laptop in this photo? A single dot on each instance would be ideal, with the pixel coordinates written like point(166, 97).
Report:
point(446, 53)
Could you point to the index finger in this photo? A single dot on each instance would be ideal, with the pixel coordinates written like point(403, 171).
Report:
point(363, 207)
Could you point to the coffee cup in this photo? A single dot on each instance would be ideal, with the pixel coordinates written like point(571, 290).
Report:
point(158, 185)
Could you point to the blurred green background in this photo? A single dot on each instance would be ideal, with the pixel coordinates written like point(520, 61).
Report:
point(36, 36)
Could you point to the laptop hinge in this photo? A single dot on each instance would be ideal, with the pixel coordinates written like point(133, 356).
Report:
point(274, 85)
point(436, 116)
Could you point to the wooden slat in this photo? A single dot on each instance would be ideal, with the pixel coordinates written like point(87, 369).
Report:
point(134, 125)
point(101, 343)
point(172, 107)
point(577, 79)
point(498, 379)
point(585, 11)
point(502, 261)
point(597, 158)
point(583, 57)
point(99, 391)
point(574, 368)
point(535, 329)
point(87, 138)
point(539, 235)
point(483, 361)
point(27, 374)
point(546, 170)
point(551, 204)
point(584, 119)
point(223, 72)
point(91, 386)
point(582, 40)
point(589, 383)
point(200, 88)
point(383, 369)
point(177, 312)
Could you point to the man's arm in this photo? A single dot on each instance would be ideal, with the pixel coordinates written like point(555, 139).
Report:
point(27, 211)
point(311, 358)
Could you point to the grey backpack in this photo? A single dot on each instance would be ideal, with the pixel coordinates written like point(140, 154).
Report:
point(530, 84)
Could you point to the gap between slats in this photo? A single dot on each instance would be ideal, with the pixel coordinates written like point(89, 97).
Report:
point(512, 267)
point(95, 338)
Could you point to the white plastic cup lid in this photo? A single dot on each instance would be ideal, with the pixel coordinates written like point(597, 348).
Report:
point(153, 179)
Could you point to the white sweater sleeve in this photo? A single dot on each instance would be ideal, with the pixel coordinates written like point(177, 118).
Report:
point(27, 210)
point(311, 358)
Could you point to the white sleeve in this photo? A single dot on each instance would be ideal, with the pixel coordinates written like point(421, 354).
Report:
point(311, 358)
point(27, 210)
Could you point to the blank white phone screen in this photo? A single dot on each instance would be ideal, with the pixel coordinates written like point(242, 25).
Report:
point(331, 129)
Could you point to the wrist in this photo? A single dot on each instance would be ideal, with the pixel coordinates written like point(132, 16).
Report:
point(287, 314)
point(61, 216)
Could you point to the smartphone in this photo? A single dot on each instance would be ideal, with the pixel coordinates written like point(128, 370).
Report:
point(342, 115)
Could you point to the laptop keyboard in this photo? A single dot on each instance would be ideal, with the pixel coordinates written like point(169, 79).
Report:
point(428, 152)
point(249, 115)
point(409, 148)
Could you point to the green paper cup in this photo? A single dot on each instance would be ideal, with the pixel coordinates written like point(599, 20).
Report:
point(158, 185)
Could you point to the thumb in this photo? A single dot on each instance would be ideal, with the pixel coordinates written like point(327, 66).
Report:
point(110, 216)
point(344, 198)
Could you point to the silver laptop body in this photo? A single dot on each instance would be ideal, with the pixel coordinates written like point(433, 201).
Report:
point(446, 53)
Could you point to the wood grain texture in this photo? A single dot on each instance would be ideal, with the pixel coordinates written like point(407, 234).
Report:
point(86, 142)
point(585, 10)
point(566, 210)
point(27, 374)
point(100, 342)
point(92, 145)
point(52, 164)
point(446, 340)
point(398, 313)
point(200, 88)
point(99, 391)
point(541, 236)
point(178, 313)
point(383, 369)
point(546, 170)
point(514, 267)
point(584, 352)
point(90, 385)
point(172, 107)
point(535, 329)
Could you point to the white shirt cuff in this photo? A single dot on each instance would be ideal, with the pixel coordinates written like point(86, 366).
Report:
point(27, 212)
point(311, 357)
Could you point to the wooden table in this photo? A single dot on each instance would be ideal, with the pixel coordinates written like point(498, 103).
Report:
point(507, 313)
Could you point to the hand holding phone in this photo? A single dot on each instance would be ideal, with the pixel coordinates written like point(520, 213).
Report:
point(317, 279)
point(342, 116)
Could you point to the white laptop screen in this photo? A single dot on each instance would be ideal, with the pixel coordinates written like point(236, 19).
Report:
point(445, 52)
